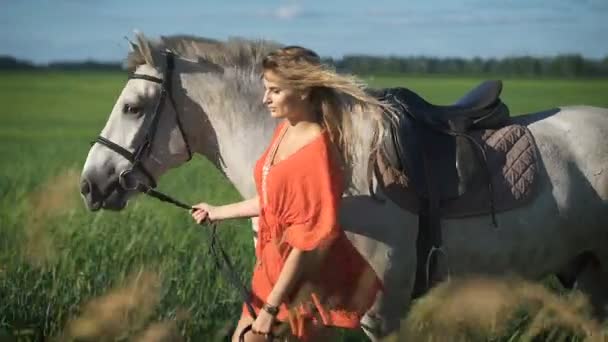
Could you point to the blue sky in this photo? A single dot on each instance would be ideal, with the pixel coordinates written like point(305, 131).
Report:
point(50, 30)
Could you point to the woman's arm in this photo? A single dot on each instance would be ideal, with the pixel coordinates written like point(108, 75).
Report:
point(292, 269)
point(298, 262)
point(244, 209)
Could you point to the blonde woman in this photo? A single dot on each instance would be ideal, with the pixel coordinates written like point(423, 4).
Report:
point(308, 275)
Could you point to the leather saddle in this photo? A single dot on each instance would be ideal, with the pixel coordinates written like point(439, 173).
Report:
point(431, 142)
point(437, 154)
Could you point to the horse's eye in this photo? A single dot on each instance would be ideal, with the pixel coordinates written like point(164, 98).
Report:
point(131, 109)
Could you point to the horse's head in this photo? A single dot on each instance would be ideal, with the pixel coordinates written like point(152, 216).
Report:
point(143, 136)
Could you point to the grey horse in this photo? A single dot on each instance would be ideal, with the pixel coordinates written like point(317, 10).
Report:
point(217, 92)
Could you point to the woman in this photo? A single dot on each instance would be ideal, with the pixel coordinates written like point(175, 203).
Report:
point(307, 273)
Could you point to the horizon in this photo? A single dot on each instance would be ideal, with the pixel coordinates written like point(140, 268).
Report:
point(121, 60)
point(83, 30)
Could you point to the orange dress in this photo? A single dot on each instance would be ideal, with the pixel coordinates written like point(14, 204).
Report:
point(299, 199)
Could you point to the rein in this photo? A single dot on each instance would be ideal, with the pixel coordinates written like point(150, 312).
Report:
point(217, 251)
point(214, 244)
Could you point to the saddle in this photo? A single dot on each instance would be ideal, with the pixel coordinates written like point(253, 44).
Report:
point(462, 160)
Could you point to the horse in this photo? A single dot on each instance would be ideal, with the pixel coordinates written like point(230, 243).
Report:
point(215, 110)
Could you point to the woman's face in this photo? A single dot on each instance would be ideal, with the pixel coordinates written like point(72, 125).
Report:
point(282, 101)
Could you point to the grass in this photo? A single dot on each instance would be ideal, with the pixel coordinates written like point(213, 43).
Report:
point(55, 256)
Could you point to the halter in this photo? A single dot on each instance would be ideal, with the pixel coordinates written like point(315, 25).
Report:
point(143, 150)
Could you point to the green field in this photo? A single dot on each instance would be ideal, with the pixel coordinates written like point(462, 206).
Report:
point(55, 256)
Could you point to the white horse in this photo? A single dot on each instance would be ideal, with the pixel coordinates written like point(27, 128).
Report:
point(217, 92)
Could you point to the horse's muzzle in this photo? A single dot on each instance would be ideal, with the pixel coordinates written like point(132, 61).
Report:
point(102, 196)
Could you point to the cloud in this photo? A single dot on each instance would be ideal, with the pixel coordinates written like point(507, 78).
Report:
point(288, 12)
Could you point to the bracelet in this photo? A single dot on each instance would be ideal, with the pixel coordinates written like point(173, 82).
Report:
point(271, 309)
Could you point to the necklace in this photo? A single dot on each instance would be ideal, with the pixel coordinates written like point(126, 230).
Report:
point(267, 164)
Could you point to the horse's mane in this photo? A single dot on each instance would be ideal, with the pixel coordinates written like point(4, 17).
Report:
point(234, 52)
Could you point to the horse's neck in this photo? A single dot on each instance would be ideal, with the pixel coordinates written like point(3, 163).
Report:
point(362, 141)
point(231, 126)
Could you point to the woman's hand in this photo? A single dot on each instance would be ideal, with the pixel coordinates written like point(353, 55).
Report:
point(205, 211)
point(202, 211)
point(263, 324)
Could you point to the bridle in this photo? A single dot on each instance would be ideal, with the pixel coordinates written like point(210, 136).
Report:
point(143, 150)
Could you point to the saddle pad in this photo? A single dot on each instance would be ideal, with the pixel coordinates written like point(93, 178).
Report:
point(513, 163)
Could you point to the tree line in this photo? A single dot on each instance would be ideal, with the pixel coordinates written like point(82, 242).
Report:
point(12, 63)
point(558, 66)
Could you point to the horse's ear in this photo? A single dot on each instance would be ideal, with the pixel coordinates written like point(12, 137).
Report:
point(132, 46)
point(150, 55)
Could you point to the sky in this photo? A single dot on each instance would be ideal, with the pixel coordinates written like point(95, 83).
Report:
point(58, 30)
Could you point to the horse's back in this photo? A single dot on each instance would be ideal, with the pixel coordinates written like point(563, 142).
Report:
point(574, 136)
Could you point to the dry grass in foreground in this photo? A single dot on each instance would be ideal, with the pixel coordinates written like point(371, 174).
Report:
point(481, 309)
point(56, 197)
point(124, 314)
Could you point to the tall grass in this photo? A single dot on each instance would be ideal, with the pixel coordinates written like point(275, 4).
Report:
point(500, 308)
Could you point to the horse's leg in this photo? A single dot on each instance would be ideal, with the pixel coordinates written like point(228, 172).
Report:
point(571, 271)
point(384, 317)
point(398, 272)
point(593, 282)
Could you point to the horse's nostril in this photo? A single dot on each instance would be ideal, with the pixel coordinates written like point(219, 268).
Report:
point(85, 187)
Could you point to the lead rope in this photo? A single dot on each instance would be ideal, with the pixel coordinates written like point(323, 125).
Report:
point(218, 252)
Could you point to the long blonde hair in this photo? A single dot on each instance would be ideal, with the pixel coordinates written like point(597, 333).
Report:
point(334, 96)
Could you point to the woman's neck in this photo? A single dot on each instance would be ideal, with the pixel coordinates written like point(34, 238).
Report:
point(303, 128)
point(304, 120)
